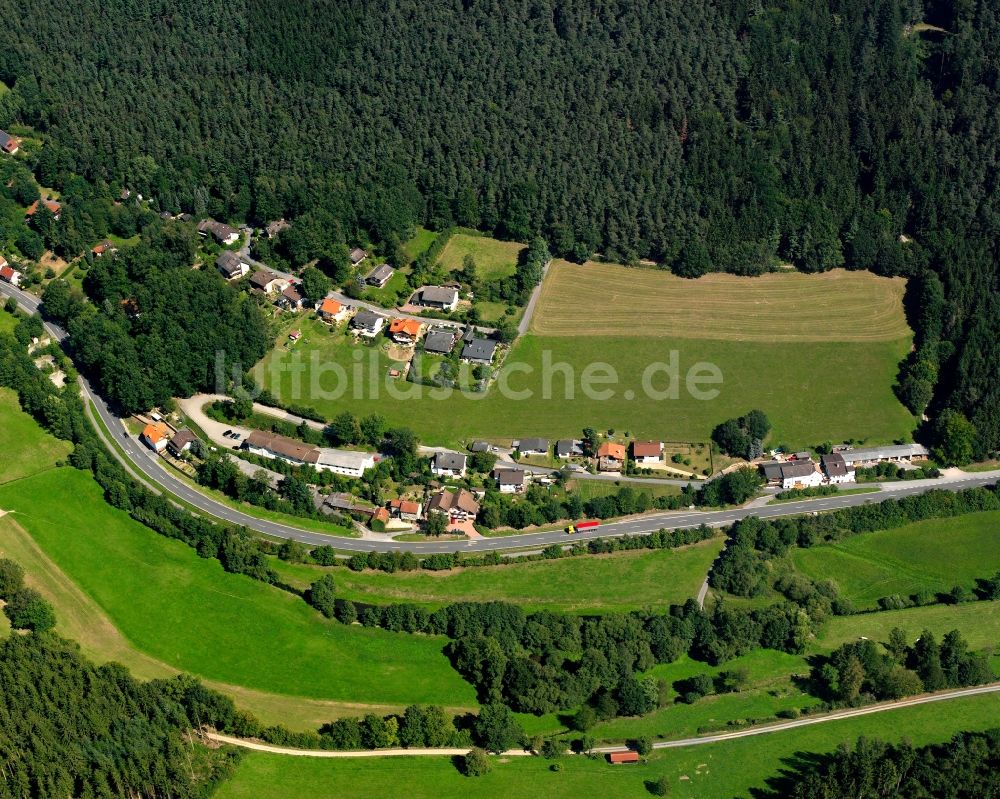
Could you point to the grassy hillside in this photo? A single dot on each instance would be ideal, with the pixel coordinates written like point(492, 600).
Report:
point(26, 448)
point(189, 613)
point(717, 770)
point(933, 555)
point(623, 581)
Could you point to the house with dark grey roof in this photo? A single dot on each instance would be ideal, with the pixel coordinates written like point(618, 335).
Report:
point(291, 298)
point(533, 446)
point(266, 281)
point(441, 297)
point(836, 469)
point(479, 350)
point(230, 265)
point(367, 323)
point(448, 464)
point(799, 473)
point(181, 442)
point(569, 448)
point(479, 446)
point(379, 276)
point(510, 481)
point(220, 231)
point(439, 342)
point(357, 256)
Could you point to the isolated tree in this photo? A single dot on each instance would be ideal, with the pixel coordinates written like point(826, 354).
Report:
point(476, 763)
point(11, 577)
point(28, 610)
point(437, 524)
point(322, 596)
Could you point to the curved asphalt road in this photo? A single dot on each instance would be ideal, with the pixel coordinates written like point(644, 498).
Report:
point(147, 466)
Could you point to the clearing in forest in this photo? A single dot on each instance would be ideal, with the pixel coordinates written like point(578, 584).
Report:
point(778, 307)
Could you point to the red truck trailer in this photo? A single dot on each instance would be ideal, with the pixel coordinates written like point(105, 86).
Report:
point(579, 527)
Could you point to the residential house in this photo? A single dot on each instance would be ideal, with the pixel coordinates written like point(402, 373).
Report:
point(271, 445)
point(181, 442)
point(291, 298)
point(890, 454)
point(647, 451)
point(479, 350)
point(348, 462)
point(610, 457)
point(9, 274)
point(357, 256)
point(154, 435)
point(105, 246)
point(333, 311)
point(510, 481)
point(367, 323)
point(569, 448)
point(405, 509)
point(52, 205)
point(231, 266)
point(448, 464)
point(268, 282)
point(480, 446)
point(220, 231)
point(379, 276)
point(459, 505)
point(532, 446)
point(8, 143)
point(439, 342)
point(276, 227)
point(836, 469)
point(798, 473)
point(442, 298)
point(404, 331)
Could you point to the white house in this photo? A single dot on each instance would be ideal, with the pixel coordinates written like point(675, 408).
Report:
point(231, 266)
point(510, 481)
point(9, 274)
point(448, 464)
point(836, 469)
point(799, 473)
point(647, 451)
point(349, 463)
point(440, 297)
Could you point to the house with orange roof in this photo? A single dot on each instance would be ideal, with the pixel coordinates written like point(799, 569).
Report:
point(154, 435)
point(52, 205)
point(333, 311)
point(404, 331)
point(405, 509)
point(610, 457)
point(105, 246)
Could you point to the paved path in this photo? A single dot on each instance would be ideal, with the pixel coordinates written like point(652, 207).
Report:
point(766, 729)
point(147, 463)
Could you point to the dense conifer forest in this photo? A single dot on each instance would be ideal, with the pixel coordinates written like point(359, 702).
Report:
point(708, 136)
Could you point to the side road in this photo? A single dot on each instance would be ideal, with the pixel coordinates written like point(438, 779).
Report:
point(767, 729)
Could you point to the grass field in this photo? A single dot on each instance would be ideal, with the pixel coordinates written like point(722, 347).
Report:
point(790, 381)
point(591, 489)
point(933, 555)
point(187, 612)
point(26, 448)
point(978, 621)
point(715, 771)
point(494, 259)
point(8, 321)
point(420, 243)
point(623, 581)
point(788, 307)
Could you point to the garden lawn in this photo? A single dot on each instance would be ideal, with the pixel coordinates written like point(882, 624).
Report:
point(494, 259)
point(791, 382)
point(720, 770)
point(933, 555)
point(25, 447)
point(189, 613)
point(618, 582)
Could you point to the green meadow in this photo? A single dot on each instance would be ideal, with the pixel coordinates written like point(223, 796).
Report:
point(26, 448)
point(189, 613)
point(933, 555)
point(791, 381)
point(618, 582)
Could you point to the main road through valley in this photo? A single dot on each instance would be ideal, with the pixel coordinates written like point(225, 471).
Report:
point(146, 465)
